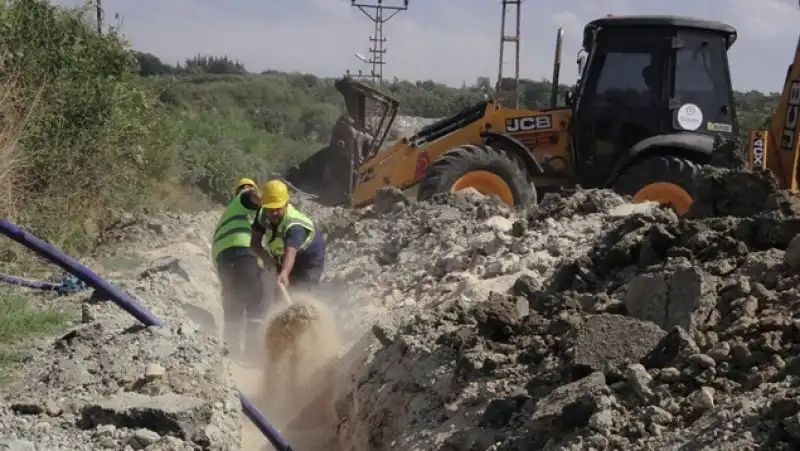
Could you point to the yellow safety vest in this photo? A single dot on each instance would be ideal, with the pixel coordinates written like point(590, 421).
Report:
point(275, 244)
point(233, 228)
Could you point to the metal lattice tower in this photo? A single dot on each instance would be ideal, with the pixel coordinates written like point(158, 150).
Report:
point(508, 90)
point(379, 14)
point(100, 15)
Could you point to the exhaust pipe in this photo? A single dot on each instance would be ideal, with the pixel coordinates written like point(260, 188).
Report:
point(557, 67)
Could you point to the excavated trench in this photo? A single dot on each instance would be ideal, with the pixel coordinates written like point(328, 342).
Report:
point(582, 323)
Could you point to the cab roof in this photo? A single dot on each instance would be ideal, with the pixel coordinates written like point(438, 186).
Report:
point(657, 21)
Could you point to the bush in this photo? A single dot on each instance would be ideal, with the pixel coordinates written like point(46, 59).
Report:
point(217, 148)
point(93, 141)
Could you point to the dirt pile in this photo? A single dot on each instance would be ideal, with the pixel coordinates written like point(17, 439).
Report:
point(111, 383)
point(397, 256)
point(628, 329)
point(399, 259)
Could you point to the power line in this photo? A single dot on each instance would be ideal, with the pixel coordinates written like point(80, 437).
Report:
point(100, 14)
point(379, 14)
point(508, 90)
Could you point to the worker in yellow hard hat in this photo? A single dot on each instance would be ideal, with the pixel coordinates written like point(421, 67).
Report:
point(295, 248)
point(238, 269)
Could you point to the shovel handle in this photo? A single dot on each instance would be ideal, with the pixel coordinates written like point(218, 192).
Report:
point(285, 293)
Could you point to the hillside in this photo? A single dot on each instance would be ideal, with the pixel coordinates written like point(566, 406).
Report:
point(303, 106)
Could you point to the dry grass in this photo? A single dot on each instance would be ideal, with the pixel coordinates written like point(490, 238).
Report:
point(174, 197)
point(14, 116)
point(12, 123)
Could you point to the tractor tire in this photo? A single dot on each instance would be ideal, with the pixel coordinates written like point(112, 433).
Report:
point(665, 179)
point(487, 170)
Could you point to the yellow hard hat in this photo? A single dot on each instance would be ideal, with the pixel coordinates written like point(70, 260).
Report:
point(245, 182)
point(274, 194)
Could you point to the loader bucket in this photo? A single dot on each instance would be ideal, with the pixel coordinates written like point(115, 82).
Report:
point(330, 173)
point(323, 175)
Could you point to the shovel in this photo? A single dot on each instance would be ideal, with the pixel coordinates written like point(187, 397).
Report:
point(285, 294)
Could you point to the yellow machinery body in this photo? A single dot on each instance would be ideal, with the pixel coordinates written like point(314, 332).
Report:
point(777, 148)
point(544, 133)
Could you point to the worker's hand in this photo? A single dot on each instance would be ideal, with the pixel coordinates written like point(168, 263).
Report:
point(283, 279)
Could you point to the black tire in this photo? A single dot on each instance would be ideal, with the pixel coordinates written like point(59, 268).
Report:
point(453, 164)
point(678, 171)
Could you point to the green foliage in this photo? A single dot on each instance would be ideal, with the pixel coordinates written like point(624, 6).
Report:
point(218, 147)
point(303, 106)
point(93, 138)
point(150, 65)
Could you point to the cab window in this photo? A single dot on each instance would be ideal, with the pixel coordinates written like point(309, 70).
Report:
point(700, 77)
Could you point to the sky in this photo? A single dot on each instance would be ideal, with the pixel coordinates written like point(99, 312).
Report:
point(449, 41)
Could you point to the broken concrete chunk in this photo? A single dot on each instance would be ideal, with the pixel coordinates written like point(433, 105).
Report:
point(549, 410)
point(682, 298)
point(608, 341)
point(172, 414)
point(646, 298)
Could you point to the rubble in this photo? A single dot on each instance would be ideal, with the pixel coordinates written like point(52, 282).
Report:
point(629, 329)
point(585, 322)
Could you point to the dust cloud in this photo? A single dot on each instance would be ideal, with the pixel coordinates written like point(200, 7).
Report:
point(294, 383)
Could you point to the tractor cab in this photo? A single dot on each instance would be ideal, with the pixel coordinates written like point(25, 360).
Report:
point(650, 81)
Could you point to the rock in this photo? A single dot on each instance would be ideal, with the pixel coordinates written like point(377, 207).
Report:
point(677, 299)
point(168, 413)
point(658, 415)
point(608, 341)
point(639, 380)
point(499, 224)
point(389, 199)
point(720, 352)
point(549, 410)
point(702, 361)
point(497, 317)
point(674, 347)
point(142, 438)
point(703, 399)
point(154, 371)
point(793, 254)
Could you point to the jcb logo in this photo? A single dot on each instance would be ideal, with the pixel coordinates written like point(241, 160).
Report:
point(788, 136)
point(529, 123)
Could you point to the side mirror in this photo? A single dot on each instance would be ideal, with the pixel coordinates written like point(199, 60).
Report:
point(581, 60)
point(568, 98)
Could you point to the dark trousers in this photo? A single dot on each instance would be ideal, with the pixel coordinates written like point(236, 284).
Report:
point(242, 296)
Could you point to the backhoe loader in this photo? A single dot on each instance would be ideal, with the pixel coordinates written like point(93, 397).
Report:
point(777, 149)
point(652, 103)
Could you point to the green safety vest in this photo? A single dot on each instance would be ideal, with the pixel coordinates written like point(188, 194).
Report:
point(233, 228)
point(275, 244)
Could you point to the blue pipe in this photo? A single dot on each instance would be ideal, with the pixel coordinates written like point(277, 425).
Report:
point(66, 285)
point(28, 283)
point(130, 305)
